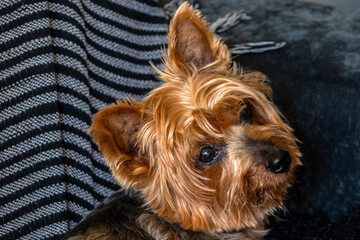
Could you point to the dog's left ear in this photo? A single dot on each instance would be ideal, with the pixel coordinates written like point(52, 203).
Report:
point(192, 44)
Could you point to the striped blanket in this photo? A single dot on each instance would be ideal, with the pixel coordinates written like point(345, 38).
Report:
point(60, 62)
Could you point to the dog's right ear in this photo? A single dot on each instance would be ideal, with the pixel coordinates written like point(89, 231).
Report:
point(115, 128)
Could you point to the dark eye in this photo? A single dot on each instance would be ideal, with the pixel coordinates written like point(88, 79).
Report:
point(245, 115)
point(208, 155)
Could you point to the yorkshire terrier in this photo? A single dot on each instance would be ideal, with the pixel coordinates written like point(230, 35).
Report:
point(204, 156)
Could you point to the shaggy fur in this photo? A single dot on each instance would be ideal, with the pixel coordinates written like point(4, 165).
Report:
point(155, 147)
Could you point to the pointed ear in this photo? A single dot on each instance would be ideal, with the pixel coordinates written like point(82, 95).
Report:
point(192, 44)
point(115, 128)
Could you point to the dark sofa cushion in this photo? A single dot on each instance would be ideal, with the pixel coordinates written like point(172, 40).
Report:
point(316, 83)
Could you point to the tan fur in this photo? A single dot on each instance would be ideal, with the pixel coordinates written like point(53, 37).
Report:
point(152, 146)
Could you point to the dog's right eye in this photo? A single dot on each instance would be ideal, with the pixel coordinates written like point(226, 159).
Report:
point(208, 155)
point(245, 115)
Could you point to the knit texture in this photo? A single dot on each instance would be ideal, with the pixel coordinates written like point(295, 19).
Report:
point(60, 62)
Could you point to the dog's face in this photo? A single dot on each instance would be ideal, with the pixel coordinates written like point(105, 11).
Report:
point(208, 148)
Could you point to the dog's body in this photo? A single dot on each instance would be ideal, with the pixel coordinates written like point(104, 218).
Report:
point(207, 153)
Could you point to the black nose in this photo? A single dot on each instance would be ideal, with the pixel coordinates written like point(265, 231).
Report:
point(279, 162)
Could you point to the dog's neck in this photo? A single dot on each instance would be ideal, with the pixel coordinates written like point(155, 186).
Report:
point(158, 228)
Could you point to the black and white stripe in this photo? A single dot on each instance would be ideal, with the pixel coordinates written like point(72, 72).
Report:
point(60, 62)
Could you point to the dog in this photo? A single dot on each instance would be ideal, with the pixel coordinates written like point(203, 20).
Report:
point(207, 155)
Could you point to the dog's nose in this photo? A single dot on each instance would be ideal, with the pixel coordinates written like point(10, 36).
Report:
point(279, 162)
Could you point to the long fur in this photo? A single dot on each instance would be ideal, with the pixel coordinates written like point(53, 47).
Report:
point(152, 146)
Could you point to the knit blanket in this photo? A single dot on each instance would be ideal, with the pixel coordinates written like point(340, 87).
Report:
point(60, 62)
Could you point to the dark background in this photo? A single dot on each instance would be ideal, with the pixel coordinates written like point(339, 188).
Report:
point(316, 83)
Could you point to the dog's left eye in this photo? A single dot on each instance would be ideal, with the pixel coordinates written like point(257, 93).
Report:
point(245, 115)
point(208, 155)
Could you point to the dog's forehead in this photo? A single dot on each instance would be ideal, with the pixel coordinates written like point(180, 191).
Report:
point(205, 91)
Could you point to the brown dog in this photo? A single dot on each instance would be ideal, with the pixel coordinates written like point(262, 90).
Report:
point(206, 154)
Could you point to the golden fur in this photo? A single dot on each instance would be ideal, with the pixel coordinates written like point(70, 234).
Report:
point(152, 146)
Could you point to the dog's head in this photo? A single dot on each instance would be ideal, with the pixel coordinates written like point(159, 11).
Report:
point(208, 149)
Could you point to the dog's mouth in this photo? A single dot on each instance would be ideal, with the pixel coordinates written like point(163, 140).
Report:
point(266, 182)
